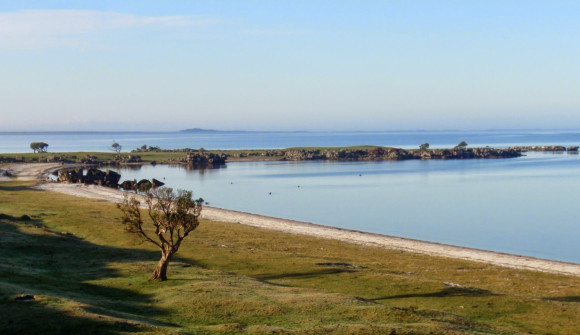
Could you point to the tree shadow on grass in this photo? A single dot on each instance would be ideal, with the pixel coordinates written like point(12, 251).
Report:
point(38, 318)
point(14, 186)
point(268, 278)
point(446, 292)
point(53, 269)
point(573, 298)
point(310, 274)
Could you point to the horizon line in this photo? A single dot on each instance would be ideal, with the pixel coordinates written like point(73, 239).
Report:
point(202, 130)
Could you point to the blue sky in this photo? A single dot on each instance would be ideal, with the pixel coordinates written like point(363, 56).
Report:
point(289, 65)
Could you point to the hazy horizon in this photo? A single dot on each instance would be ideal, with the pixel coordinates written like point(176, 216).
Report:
point(288, 65)
point(301, 130)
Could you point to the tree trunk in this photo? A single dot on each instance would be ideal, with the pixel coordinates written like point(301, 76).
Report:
point(161, 269)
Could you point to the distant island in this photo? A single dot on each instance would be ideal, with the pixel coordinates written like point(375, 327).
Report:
point(201, 131)
point(214, 131)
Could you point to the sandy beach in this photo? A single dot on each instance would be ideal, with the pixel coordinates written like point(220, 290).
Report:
point(41, 171)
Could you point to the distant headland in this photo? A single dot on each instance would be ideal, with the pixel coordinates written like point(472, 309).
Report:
point(210, 131)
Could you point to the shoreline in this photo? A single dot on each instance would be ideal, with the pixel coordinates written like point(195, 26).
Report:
point(41, 171)
point(341, 234)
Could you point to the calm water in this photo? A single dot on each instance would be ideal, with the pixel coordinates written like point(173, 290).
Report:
point(99, 141)
point(525, 205)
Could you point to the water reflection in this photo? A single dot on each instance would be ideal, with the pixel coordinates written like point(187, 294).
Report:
point(128, 167)
point(190, 169)
point(202, 170)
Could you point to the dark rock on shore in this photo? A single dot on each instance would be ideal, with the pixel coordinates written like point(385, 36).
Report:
point(144, 185)
point(129, 185)
point(92, 177)
point(156, 183)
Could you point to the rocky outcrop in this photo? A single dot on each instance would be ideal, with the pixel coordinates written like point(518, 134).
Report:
point(540, 148)
point(90, 160)
point(91, 177)
point(129, 185)
point(107, 178)
point(204, 160)
point(572, 148)
point(127, 159)
point(471, 153)
point(52, 159)
point(11, 159)
point(380, 153)
point(156, 183)
point(143, 185)
point(70, 176)
point(248, 154)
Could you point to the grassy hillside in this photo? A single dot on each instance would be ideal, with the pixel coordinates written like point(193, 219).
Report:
point(87, 276)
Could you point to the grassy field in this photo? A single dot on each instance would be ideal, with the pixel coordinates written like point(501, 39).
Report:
point(87, 276)
point(103, 156)
point(161, 156)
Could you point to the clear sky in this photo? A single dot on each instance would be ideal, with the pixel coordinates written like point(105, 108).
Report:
point(289, 65)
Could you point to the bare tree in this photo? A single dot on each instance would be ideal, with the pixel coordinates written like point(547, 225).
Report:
point(174, 216)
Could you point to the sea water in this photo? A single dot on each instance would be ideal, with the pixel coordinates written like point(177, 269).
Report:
point(525, 205)
point(101, 141)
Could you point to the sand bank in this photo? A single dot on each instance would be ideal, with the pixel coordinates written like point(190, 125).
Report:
point(29, 171)
point(304, 228)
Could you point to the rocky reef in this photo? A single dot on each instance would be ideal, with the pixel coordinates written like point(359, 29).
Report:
point(544, 148)
point(547, 148)
point(203, 159)
point(380, 153)
point(106, 178)
point(91, 177)
point(141, 185)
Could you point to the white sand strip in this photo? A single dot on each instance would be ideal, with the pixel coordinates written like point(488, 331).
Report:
point(351, 236)
point(30, 171)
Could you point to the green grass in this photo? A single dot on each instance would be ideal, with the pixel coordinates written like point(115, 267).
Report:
point(88, 276)
point(167, 156)
point(104, 156)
